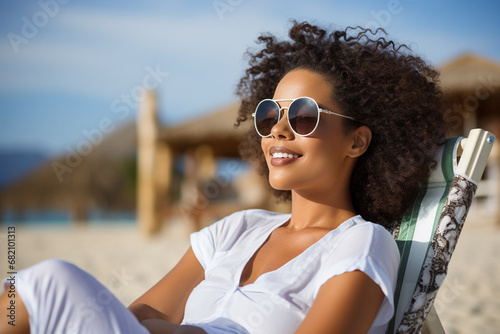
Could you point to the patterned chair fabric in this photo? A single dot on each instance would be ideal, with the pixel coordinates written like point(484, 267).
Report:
point(427, 237)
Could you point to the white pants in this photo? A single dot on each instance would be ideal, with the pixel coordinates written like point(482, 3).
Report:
point(62, 298)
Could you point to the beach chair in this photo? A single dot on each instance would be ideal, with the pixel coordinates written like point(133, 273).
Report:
point(430, 229)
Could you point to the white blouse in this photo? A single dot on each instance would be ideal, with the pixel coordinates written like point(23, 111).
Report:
point(278, 301)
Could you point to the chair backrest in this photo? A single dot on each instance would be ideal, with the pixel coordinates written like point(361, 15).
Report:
point(431, 226)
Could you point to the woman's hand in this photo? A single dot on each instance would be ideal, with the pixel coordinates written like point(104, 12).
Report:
point(158, 326)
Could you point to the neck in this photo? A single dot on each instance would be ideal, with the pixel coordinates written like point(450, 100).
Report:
point(320, 210)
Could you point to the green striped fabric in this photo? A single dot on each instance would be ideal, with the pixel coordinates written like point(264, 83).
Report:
point(418, 226)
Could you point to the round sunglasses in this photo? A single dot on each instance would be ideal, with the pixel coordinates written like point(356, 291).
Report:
point(303, 115)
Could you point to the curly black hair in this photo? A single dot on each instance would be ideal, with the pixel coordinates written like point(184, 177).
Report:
point(394, 93)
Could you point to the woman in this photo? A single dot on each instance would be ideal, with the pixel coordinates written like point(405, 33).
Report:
point(347, 125)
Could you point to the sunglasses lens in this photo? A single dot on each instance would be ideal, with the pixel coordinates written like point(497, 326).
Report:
point(303, 116)
point(266, 116)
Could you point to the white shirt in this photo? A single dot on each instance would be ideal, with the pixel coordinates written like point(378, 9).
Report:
point(278, 301)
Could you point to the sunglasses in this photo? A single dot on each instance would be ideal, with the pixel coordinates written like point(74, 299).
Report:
point(303, 115)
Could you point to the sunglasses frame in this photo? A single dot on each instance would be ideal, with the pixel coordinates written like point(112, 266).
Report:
point(320, 110)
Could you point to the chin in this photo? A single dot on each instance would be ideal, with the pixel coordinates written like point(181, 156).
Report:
point(276, 185)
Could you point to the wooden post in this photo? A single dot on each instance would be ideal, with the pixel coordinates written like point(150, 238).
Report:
point(147, 137)
point(206, 163)
point(494, 164)
point(497, 166)
point(79, 213)
point(163, 178)
point(498, 190)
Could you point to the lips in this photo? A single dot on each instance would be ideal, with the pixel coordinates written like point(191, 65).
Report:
point(281, 156)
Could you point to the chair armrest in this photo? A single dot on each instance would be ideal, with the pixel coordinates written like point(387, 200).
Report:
point(476, 149)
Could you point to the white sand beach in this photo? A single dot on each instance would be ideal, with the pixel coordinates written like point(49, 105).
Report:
point(128, 264)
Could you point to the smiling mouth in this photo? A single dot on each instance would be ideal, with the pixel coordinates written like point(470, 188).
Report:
point(281, 155)
point(279, 159)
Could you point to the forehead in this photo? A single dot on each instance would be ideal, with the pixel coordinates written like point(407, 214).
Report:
point(302, 82)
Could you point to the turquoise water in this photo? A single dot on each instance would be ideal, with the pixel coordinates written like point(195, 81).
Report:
point(63, 218)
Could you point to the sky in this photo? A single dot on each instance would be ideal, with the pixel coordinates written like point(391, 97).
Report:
point(66, 66)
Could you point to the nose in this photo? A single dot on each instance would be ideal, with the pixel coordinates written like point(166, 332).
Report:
point(282, 128)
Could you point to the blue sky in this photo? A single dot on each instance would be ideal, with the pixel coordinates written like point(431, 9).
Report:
point(65, 65)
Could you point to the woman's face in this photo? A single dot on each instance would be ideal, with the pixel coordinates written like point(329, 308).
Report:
point(321, 160)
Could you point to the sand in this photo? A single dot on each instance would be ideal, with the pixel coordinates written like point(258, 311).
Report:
point(128, 264)
point(469, 299)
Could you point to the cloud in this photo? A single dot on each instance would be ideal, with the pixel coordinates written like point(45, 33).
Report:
point(95, 52)
point(102, 53)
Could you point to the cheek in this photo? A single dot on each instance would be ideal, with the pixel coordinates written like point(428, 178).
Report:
point(264, 147)
point(329, 154)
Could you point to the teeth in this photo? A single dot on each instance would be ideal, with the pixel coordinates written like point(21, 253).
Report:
point(280, 155)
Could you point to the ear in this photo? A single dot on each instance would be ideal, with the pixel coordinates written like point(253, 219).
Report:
point(361, 138)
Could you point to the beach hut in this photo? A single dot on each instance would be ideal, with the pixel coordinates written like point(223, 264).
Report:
point(198, 145)
point(93, 177)
point(471, 87)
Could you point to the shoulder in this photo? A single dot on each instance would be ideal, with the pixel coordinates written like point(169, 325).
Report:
point(248, 220)
point(361, 241)
point(259, 214)
point(224, 233)
point(367, 247)
point(366, 235)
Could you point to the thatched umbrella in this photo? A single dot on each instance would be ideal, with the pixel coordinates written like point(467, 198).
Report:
point(468, 72)
point(99, 176)
point(471, 86)
point(215, 129)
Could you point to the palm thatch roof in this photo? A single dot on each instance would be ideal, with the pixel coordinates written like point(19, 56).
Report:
point(103, 179)
point(216, 129)
point(467, 72)
point(471, 87)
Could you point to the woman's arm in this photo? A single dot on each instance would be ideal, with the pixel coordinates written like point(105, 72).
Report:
point(167, 298)
point(346, 303)
point(158, 326)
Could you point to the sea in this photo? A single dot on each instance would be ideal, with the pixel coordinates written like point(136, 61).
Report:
point(42, 218)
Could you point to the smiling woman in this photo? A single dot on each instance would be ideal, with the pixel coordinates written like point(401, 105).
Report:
point(346, 127)
point(381, 85)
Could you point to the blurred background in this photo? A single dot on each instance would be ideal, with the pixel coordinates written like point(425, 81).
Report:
point(117, 137)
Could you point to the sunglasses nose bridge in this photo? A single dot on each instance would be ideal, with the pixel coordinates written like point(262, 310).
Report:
point(281, 112)
point(280, 128)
